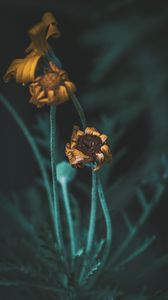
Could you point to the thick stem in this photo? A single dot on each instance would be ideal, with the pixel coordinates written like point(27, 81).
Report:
point(54, 178)
point(69, 217)
point(79, 110)
point(93, 210)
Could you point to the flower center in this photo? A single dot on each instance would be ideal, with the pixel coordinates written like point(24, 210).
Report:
point(89, 144)
point(50, 81)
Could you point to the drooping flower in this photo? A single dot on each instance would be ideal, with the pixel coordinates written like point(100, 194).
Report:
point(23, 70)
point(88, 146)
point(53, 86)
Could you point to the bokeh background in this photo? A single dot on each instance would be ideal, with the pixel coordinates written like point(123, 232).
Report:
point(117, 54)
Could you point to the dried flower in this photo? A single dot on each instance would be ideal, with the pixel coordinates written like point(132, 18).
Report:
point(23, 70)
point(53, 86)
point(88, 146)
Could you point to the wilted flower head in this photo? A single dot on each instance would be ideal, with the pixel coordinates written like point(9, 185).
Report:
point(23, 70)
point(88, 146)
point(53, 86)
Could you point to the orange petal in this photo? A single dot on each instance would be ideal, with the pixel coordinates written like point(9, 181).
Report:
point(99, 161)
point(40, 95)
point(38, 36)
point(51, 96)
point(50, 22)
point(76, 134)
point(53, 67)
point(76, 157)
point(62, 94)
point(43, 101)
point(106, 151)
point(70, 86)
point(23, 69)
point(35, 90)
point(103, 137)
point(11, 71)
point(92, 131)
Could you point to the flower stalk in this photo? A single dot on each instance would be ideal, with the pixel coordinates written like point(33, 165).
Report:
point(79, 109)
point(66, 200)
point(93, 211)
point(107, 218)
point(53, 147)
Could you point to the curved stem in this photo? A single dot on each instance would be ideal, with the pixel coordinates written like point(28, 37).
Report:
point(79, 110)
point(69, 217)
point(93, 211)
point(54, 178)
point(34, 148)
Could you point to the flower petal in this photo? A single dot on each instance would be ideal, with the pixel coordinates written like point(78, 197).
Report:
point(62, 94)
point(11, 71)
point(106, 151)
point(71, 88)
point(99, 161)
point(23, 69)
point(41, 32)
point(34, 90)
point(40, 95)
point(103, 137)
point(50, 22)
point(76, 157)
point(51, 96)
point(92, 131)
point(76, 134)
point(53, 67)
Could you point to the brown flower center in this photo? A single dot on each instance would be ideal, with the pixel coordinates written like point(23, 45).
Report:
point(89, 144)
point(51, 81)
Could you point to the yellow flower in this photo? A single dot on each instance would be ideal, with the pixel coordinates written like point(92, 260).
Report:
point(88, 146)
point(53, 86)
point(23, 70)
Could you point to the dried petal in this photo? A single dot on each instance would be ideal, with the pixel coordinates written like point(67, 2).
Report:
point(104, 138)
point(92, 131)
point(23, 69)
point(71, 88)
point(41, 32)
point(99, 161)
point(106, 151)
point(76, 157)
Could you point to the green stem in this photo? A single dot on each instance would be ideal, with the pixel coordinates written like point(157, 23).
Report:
point(54, 178)
point(108, 230)
point(69, 217)
point(93, 210)
point(79, 110)
point(92, 224)
point(34, 148)
point(107, 218)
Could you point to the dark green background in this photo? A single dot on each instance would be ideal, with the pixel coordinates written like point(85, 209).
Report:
point(116, 52)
